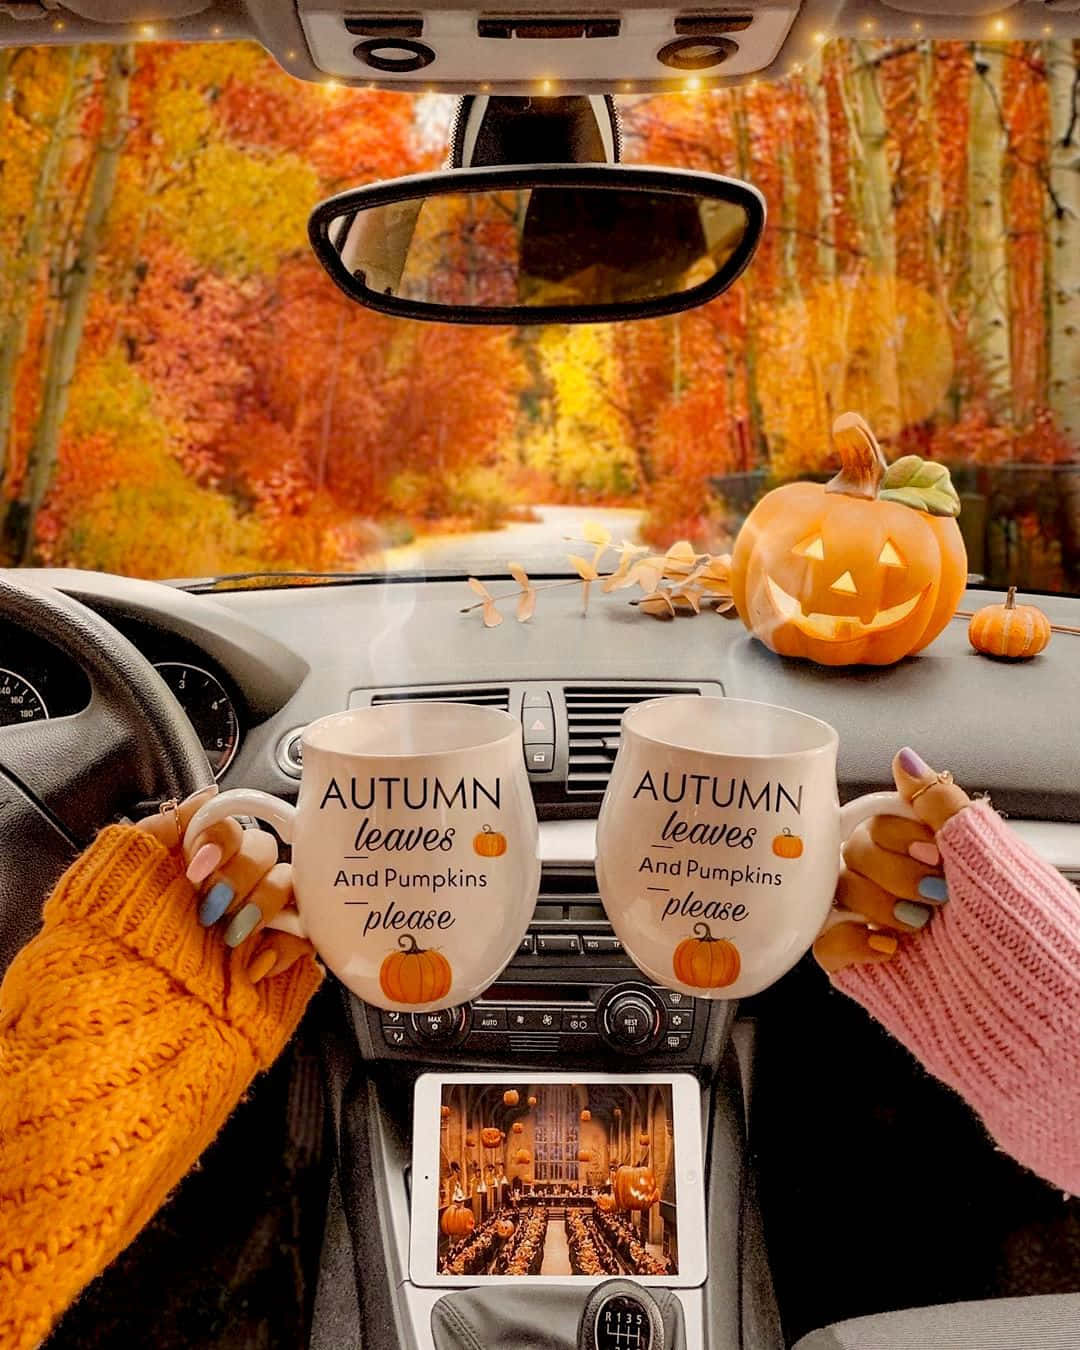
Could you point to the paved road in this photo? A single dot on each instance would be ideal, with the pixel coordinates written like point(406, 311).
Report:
point(517, 542)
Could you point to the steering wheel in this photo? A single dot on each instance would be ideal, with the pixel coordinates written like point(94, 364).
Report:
point(61, 780)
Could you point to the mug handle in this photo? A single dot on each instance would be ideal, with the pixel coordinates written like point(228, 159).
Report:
point(263, 806)
point(851, 816)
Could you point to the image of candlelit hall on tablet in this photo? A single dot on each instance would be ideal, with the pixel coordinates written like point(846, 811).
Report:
point(557, 1179)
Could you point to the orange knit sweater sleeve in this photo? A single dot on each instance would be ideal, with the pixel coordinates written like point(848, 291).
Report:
point(127, 1035)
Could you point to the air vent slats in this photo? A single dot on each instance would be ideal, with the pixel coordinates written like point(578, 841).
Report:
point(593, 716)
point(493, 697)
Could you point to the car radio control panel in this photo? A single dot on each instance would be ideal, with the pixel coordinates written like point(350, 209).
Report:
point(572, 995)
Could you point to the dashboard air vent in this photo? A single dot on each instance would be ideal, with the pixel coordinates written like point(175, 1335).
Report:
point(485, 696)
point(593, 715)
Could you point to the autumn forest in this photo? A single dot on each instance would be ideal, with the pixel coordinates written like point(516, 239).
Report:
point(182, 391)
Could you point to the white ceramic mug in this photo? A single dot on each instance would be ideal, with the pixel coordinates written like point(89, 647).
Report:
point(415, 848)
point(719, 839)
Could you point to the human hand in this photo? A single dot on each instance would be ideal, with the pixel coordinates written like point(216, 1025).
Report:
point(238, 877)
point(892, 872)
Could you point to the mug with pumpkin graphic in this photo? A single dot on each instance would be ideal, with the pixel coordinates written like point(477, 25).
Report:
point(414, 848)
point(719, 838)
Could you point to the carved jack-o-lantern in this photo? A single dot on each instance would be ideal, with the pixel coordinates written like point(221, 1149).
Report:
point(863, 570)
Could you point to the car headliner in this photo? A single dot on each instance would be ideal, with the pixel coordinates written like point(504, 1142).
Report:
point(285, 28)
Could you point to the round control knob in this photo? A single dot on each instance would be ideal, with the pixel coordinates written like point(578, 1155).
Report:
point(631, 1020)
point(440, 1025)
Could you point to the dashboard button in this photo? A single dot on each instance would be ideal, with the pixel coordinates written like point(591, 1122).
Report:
point(674, 999)
point(584, 1021)
point(394, 1035)
point(601, 944)
point(489, 1019)
point(290, 752)
point(537, 698)
point(441, 1024)
point(559, 942)
point(632, 1020)
point(393, 1019)
point(527, 945)
point(538, 725)
point(676, 1041)
point(540, 758)
point(681, 1019)
point(533, 1019)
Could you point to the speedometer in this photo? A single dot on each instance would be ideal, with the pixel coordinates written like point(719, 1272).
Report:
point(19, 700)
point(209, 708)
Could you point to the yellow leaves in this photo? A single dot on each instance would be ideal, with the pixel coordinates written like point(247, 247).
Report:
point(876, 343)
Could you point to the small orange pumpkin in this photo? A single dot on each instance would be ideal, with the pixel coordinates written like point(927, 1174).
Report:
point(470, 1141)
point(1009, 630)
point(606, 1203)
point(517, 1127)
point(444, 1111)
point(643, 1140)
point(504, 1228)
point(586, 1115)
point(705, 962)
point(489, 843)
point(490, 1138)
point(864, 569)
point(584, 1155)
point(415, 974)
point(522, 1156)
point(532, 1101)
point(510, 1097)
point(617, 1112)
point(634, 1187)
point(457, 1221)
point(787, 845)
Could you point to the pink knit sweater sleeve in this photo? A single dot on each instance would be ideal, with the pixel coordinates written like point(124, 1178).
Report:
point(987, 997)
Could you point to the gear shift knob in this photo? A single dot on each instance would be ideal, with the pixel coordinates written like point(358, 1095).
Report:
point(621, 1315)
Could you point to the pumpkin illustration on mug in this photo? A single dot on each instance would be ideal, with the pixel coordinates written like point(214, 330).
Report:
point(415, 974)
point(866, 569)
point(787, 845)
point(489, 843)
point(705, 962)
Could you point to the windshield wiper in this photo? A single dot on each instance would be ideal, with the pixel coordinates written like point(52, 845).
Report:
point(253, 581)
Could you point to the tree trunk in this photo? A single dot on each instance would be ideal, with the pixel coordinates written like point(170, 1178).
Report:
point(819, 102)
point(758, 444)
point(75, 293)
point(989, 325)
point(1064, 77)
point(27, 262)
point(872, 142)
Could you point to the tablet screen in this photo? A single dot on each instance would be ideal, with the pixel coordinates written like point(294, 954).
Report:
point(556, 1179)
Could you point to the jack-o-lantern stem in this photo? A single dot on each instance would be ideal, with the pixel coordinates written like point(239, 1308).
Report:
point(410, 946)
point(862, 464)
point(703, 933)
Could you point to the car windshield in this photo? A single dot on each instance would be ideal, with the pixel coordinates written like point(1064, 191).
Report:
point(183, 392)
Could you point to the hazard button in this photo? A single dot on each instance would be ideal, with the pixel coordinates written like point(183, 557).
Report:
point(538, 725)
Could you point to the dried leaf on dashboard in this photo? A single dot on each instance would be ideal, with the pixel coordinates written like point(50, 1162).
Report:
point(519, 574)
point(492, 617)
point(658, 604)
point(526, 605)
point(585, 569)
point(479, 588)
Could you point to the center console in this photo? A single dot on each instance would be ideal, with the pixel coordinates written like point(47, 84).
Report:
point(570, 995)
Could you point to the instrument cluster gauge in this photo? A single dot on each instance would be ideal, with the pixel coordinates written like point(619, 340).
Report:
point(19, 700)
point(209, 708)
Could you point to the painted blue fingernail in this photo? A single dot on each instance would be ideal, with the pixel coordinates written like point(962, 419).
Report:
point(913, 915)
point(913, 763)
point(218, 899)
point(243, 925)
point(934, 888)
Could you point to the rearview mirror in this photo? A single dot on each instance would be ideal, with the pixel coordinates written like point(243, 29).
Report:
point(539, 243)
